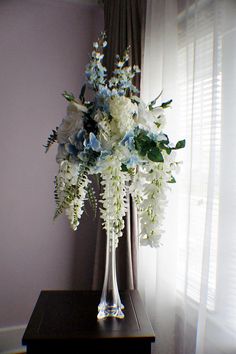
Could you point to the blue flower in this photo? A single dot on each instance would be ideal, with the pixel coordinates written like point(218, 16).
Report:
point(104, 154)
point(102, 98)
point(87, 74)
point(132, 162)
point(121, 92)
point(93, 143)
point(71, 149)
point(128, 140)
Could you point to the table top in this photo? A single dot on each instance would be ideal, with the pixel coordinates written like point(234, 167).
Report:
point(72, 315)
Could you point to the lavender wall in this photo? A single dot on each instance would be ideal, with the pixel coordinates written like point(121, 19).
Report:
point(44, 47)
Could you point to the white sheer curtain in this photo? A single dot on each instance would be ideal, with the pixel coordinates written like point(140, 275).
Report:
point(189, 284)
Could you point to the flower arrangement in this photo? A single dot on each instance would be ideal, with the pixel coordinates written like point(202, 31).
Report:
point(121, 139)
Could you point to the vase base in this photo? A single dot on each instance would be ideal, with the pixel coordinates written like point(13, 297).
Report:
point(110, 311)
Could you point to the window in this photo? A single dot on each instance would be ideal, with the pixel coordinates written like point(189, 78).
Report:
point(199, 89)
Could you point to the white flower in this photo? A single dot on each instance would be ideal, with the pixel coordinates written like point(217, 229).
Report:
point(152, 120)
point(148, 189)
point(71, 124)
point(98, 116)
point(76, 107)
point(122, 111)
point(68, 171)
point(75, 209)
point(66, 179)
point(61, 153)
point(160, 118)
point(114, 203)
point(105, 135)
point(146, 118)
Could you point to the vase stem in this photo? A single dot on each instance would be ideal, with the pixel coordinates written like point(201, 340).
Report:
point(110, 304)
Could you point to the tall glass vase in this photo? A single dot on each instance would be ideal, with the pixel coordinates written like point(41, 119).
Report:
point(110, 304)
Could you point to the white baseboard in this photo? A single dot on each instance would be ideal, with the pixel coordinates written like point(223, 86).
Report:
point(15, 351)
point(10, 339)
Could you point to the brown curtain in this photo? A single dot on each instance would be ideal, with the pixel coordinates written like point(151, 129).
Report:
point(124, 23)
point(124, 26)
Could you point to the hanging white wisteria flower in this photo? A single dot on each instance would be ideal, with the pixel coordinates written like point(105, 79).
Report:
point(120, 138)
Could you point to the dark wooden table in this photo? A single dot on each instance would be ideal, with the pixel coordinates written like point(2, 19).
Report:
point(66, 322)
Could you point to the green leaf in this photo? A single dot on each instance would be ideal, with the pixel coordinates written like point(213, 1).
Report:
point(164, 146)
point(155, 155)
point(143, 143)
point(172, 180)
point(124, 168)
point(70, 191)
point(68, 96)
point(166, 104)
point(143, 149)
point(51, 139)
point(166, 140)
point(167, 149)
point(152, 103)
point(180, 144)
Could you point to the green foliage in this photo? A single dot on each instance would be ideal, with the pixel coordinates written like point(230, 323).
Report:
point(68, 96)
point(163, 105)
point(124, 168)
point(64, 198)
point(69, 195)
point(164, 146)
point(152, 103)
point(143, 143)
point(172, 180)
point(148, 147)
point(70, 192)
point(155, 155)
point(153, 150)
point(51, 139)
point(180, 144)
point(166, 104)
